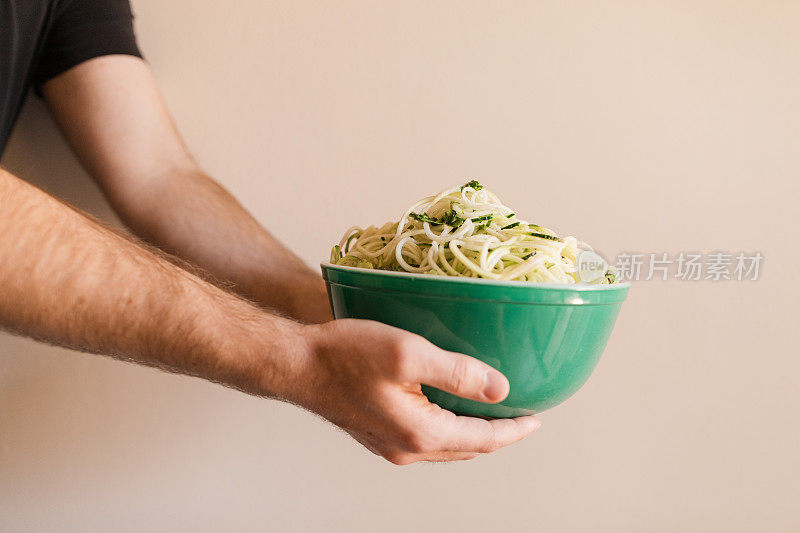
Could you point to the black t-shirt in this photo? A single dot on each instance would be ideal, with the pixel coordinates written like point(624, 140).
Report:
point(40, 39)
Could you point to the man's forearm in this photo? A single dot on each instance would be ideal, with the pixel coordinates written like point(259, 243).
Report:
point(190, 215)
point(113, 115)
point(71, 281)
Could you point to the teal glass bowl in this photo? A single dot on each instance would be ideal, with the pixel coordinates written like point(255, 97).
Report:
point(546, 338)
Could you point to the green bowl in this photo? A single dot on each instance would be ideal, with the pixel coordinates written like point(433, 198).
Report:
point(546, 338)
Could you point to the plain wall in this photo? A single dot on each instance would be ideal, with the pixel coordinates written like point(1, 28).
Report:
point(637, 126)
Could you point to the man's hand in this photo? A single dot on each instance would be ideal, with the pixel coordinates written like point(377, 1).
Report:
point(365, 377)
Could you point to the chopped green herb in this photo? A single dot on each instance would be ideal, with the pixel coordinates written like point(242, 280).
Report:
point(451, 218)
point(474, 184)
point(526, 257)
point(484, 217)
point(423, 218)
point(512, 225)
point(546, 236)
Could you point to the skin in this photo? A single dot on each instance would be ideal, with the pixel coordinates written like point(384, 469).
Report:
point(227, 303)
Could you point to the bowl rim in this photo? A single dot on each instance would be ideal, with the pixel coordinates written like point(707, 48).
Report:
point(581, 287)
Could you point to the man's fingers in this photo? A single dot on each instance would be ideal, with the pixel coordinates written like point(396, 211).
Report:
point(461, 438)
point(446, 436)
point(468, 435)
point(459, 374)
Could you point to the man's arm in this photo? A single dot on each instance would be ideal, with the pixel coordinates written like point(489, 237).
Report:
point(112, 113)
point(69, 280)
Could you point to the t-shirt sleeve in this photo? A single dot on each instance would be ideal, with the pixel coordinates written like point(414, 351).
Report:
point(82, 30)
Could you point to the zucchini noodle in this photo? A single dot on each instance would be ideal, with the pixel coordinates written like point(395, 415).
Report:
point(465, 232)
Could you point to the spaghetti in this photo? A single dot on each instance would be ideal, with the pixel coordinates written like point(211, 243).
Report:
point(466, 232)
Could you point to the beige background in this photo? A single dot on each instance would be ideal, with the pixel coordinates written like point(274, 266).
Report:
point(645, 126)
